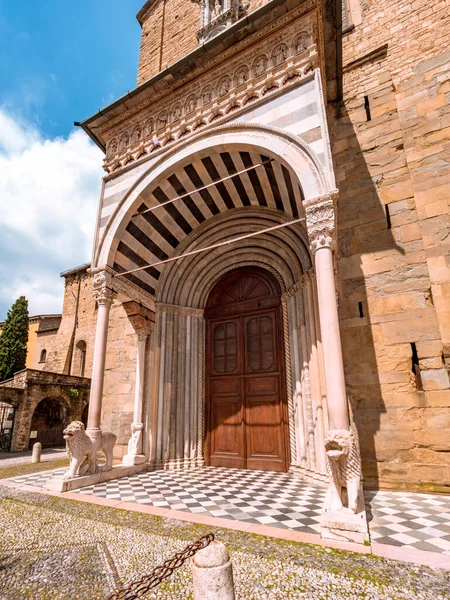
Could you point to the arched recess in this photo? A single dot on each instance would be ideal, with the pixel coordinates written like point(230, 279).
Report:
point(49, 419)
point(177, 387)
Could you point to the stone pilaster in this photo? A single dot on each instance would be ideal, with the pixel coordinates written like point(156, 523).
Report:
point(142, 320)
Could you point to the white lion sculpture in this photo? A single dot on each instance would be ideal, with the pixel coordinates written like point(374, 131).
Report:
point(82, 450)
point(344, 470)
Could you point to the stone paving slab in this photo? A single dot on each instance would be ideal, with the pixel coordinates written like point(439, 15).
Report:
point(58, 549)
point(406, 520)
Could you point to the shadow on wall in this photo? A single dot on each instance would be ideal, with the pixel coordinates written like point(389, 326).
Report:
point(377, 283)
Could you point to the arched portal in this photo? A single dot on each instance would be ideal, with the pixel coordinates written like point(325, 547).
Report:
point(224, 184)
point(246, 408)
point(50, 418)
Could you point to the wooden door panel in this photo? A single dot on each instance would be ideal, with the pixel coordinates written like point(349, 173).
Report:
point(264, 420)
point(245, 421)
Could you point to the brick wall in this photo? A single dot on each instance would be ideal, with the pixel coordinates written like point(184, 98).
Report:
point(169, 32)
point(396, 166)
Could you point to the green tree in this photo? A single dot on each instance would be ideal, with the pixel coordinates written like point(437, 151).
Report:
point(14, 339)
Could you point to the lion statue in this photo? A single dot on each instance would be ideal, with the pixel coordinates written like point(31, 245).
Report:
point(82, 450)
point(344, 470)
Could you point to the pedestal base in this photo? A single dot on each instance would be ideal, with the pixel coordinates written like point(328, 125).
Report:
point(134, 459)
point(346, 526)
point(59, 484)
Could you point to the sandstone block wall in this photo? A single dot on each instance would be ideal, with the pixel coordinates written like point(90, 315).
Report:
point(120, 365)
point(75, 327)
point(391, 152)
point(169, 32)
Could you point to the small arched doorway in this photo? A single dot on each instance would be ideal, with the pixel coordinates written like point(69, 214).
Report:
point(49, 420)
point(246, 408)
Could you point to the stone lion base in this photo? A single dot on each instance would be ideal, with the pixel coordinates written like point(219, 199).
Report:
point(346, 527)
point(59, 484)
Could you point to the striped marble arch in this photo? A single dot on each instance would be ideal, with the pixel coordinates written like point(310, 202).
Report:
point(155, 235)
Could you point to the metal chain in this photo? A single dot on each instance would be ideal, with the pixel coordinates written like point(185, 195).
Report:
point(141, 586)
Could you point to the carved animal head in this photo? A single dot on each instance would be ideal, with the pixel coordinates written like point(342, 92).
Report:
point(74, 429)
point(338, 443)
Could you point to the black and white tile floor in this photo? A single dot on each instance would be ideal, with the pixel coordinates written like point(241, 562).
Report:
point(420, 521)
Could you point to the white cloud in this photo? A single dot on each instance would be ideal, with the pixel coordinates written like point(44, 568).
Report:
point(49, 194)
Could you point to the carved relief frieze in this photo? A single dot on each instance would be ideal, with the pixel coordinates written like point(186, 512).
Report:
point(280, 61)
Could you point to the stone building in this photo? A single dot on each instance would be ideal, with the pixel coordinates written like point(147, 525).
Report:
point(35, 323)
point(271, 258)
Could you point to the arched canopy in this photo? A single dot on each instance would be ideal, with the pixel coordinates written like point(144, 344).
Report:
point(288, 173)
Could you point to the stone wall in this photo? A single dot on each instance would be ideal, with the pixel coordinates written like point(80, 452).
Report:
point(169, 32)
point(63, 356)
point(120, 374)
point(29, 387)
point(391, 156)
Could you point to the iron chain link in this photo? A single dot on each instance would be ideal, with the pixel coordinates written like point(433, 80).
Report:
point(141, 586)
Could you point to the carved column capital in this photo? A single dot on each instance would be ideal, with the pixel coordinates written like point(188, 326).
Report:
point(320, 220)
point(103, 289)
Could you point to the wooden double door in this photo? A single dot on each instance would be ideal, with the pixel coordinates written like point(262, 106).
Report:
point(246, 416)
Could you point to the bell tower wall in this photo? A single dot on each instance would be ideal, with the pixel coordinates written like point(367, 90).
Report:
point(169, 32)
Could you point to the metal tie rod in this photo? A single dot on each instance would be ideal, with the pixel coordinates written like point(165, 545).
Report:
point(219, 245)
point(200, 189)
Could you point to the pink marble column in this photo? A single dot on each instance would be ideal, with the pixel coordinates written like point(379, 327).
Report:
point(320, 223)
point(104, 297)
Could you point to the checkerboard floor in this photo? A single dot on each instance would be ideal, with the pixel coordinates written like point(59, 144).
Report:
point(259, 497)
point(420, 521)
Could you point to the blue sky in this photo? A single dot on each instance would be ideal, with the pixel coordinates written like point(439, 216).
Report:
point(60, 61)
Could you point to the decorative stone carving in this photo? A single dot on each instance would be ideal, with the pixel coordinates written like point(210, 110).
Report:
point(82, 448)
point(260, 65)
point(223, 85)
point(241, 75)
point(112, 147)
point(302, 42)
point(149, 127)
point(124, 141)
point(288, 63)
point(103, 287)
point(344, 470)
point(136, 135)
point(161, 122)
point(176, 112)
point(279, 54)
point(320, 220)
point(217, 15)
point(191, 104)
point(135, 441)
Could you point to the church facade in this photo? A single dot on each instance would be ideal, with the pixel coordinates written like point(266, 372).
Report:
point(270, 261)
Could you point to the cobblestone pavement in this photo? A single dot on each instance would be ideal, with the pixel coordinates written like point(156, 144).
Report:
point(419, 521)
point(58, 549)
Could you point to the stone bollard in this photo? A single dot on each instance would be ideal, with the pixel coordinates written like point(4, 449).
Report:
point(212, 573)
point(36, 456)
